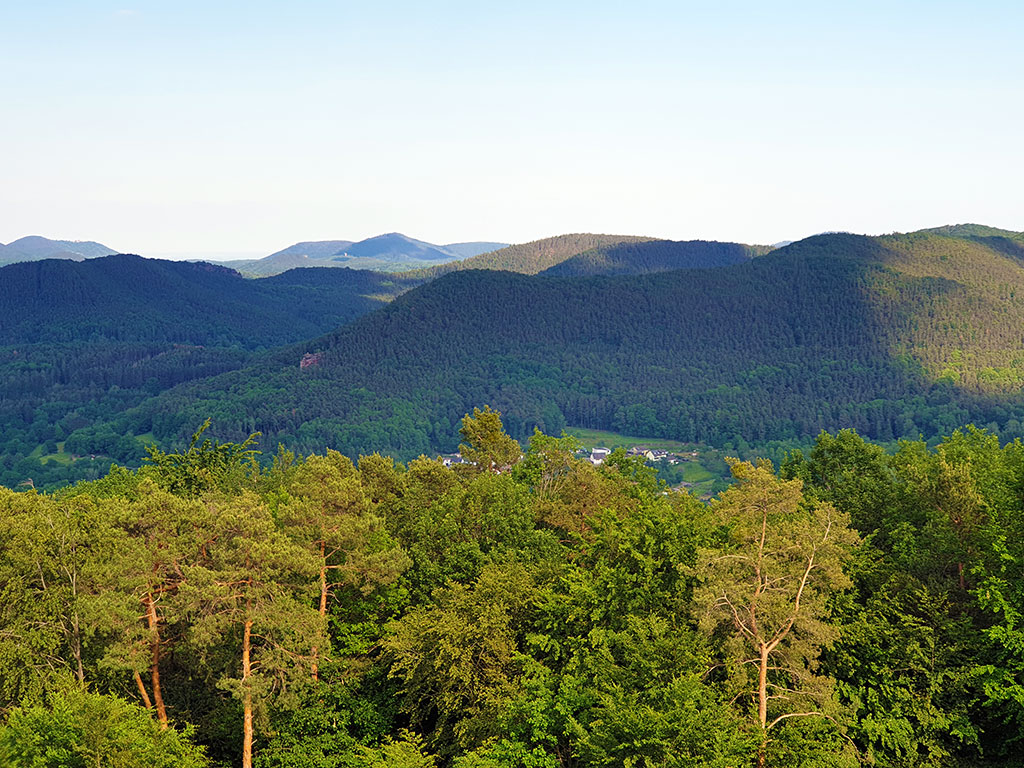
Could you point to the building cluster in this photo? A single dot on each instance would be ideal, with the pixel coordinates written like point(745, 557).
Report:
point(598, 455)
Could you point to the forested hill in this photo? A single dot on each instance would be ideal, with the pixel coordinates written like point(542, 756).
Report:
point(972, 231)
point(82, 341)
point(128, 298)
point(34, 248)
point(655, 256)
point(896, 336)
point(533, 257)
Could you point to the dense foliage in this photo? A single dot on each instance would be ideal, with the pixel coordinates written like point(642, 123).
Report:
point(655, 256)
point(128, 298)
point(522, 611)
point(81, 342)
point(533, 257)
point(896, 337)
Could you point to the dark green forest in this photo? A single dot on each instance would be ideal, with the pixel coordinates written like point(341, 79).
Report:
point(850, 607)
point(896, 337)
point(83, 341)
point(533, 257)
point(902, 336)
point(654, 256)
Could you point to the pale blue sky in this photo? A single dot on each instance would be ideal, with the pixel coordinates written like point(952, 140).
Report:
point(242, 127)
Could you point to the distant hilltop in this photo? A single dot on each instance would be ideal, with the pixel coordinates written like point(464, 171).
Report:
point(35, 248)
point(393, 252)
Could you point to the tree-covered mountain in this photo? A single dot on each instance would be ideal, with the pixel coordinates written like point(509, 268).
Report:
point(896, 336)
point(972, 230)
point(308, 254)
point(393, 247)
point(315, 249)
point(34, 248)
point(129, 298)
point(82, 341)
point(655, 256)
point(535, 256)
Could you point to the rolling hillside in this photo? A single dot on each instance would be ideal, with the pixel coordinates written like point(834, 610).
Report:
point(655, 256)
point(895, 336)
point(128, 298)
point(533, 257)
point(82, 341)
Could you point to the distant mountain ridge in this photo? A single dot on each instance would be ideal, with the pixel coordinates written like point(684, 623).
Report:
point(36, 247)
point(971, 231)
point(392, 252)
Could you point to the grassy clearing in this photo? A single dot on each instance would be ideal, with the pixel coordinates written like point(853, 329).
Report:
point(595, 438)
point(60, 457)
point(695, 473)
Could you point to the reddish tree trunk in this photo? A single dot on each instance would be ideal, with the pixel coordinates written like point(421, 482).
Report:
point(154, 642)
point(762, 706)
point(246, 696)
point(142, 690)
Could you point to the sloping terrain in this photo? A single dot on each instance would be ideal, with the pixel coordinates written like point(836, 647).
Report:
point(895, 336)
point(128, 298)
point(82, 341)
point(655, 256)
point(536, 256)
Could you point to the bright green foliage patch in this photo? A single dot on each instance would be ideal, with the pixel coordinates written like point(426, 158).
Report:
point(857, 607)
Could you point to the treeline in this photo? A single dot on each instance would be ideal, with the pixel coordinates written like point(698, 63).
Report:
point(533, 257)
point(519, 610)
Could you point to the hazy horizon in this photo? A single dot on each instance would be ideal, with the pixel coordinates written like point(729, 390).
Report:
point(198, 129)
point(224, 256)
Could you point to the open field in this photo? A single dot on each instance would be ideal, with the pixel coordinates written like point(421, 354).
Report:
point(595, 438)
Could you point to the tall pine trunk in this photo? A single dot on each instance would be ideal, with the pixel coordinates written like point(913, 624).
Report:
point(762, 706)
point(142, 690)
point(323, 604)
point(153, 623)
point(246, 696)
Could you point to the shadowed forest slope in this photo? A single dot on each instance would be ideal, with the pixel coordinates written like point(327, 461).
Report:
point(129, 298)
point(894, 336)
point(655, 256)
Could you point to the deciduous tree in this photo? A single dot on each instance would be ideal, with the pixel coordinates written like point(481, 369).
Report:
point(765, 592)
